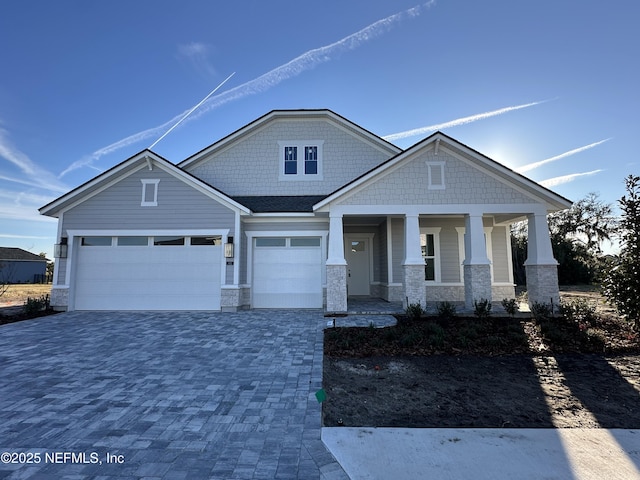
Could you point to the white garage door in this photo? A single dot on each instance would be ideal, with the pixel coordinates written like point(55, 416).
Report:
point(287, 272)
point(148, 273)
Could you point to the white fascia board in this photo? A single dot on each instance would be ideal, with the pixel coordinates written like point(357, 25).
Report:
point(189, 232)
point(287, 215)
point(443, 209)
point(354, 187)
point(81, 191)
point(117, 175)
point(258, 124)
point(553, 201)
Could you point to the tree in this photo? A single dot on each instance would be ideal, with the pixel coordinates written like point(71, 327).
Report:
point(6, 274)
point(622, 283)
point(589, 221)
point(577, 235)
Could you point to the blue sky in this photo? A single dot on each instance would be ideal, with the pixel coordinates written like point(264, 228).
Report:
point(547, 88)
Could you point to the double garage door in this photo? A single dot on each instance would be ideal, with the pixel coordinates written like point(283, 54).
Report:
point(287, 272)
point(148, 273)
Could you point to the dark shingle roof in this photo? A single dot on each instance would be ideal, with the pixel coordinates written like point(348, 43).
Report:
point(275, 204)
point(10, 253)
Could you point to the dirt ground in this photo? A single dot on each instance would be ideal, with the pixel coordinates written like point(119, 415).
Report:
point(17, 294)
point(525, 390)
point(519, 391)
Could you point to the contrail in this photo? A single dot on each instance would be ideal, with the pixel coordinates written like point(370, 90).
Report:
point(458, 122)
point(192, 110)
point(552, 182)
point(37, 176)
point(298, 65)
point(531, 166)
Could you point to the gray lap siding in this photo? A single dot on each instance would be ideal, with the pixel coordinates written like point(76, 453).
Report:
point(180, 207)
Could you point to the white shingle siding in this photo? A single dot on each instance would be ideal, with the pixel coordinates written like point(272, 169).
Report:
point(252, 166)
point(407, 184)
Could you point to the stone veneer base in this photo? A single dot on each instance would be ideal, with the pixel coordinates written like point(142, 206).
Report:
point(542, 284)
point(477, 284)
point(336, 288)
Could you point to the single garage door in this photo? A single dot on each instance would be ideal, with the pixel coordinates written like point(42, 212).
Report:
point(148, 273)
point(287, 272)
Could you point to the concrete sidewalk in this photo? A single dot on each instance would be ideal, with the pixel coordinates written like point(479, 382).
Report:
point(492, 454)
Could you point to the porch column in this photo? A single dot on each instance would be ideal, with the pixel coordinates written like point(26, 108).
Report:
point(336, 267)
point(540, 267)
point(413, 265)
point(476, 265)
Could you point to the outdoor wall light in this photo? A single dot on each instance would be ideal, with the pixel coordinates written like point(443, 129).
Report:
point(228, 248)
point(60, 249)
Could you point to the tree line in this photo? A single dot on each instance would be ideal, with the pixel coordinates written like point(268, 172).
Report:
point(577, 237)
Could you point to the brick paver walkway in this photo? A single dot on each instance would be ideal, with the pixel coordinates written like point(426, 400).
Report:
point(170, 395)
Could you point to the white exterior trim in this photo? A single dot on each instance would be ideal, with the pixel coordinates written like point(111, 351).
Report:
point(145, 185)
point(435, 231)
point(111, 177)
point(300, 176)
point(442, 209)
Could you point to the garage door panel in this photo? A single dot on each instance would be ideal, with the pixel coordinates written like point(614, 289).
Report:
point(287, 277)
point(148, 278)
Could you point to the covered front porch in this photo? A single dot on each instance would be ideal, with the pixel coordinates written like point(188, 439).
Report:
point(429, 258)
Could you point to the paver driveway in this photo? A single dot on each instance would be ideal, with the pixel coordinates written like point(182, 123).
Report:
point(170, 395)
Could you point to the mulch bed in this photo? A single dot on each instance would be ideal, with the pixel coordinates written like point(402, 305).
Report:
point(484, 373)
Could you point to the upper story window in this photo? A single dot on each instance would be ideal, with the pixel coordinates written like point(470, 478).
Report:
point(150, 192)
point(300, 160)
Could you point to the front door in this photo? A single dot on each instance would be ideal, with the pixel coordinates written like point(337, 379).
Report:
point(358, 265)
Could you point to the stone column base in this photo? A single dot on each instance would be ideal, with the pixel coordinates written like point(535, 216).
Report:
point(59, 300)
point(414, 289)
point(477, 284)
point(230, 299)
point(542, 284)
point(336, 288)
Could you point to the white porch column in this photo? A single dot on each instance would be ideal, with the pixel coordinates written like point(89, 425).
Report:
point(336, 267)
point(476, 265)
point(540, 267)
point(413, 265)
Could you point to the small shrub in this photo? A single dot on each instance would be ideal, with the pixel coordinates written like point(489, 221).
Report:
point(482, 308)
point(541, 311)
point(446, 310)
point(579, 311)
point(510, 306)
point(35, 305)
point(596, 339)
point(410, 339)
point(415, 311)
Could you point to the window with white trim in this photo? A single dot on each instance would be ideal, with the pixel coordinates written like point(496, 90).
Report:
point(149, 192)
point(300, 160)
point(436, 176)
point(430, 246)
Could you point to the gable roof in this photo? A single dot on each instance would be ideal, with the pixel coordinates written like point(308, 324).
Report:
point(553, 200)
point(13, 253)
point(107, 178)
point(275, 115)
point(285, 203)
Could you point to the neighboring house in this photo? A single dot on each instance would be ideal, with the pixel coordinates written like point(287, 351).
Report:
point(300, 209)
point(20, 266)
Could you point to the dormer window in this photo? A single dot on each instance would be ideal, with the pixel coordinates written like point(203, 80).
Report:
point(300, 160)
point(149, 192)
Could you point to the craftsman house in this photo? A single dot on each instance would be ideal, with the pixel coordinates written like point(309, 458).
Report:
point(300, 209)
